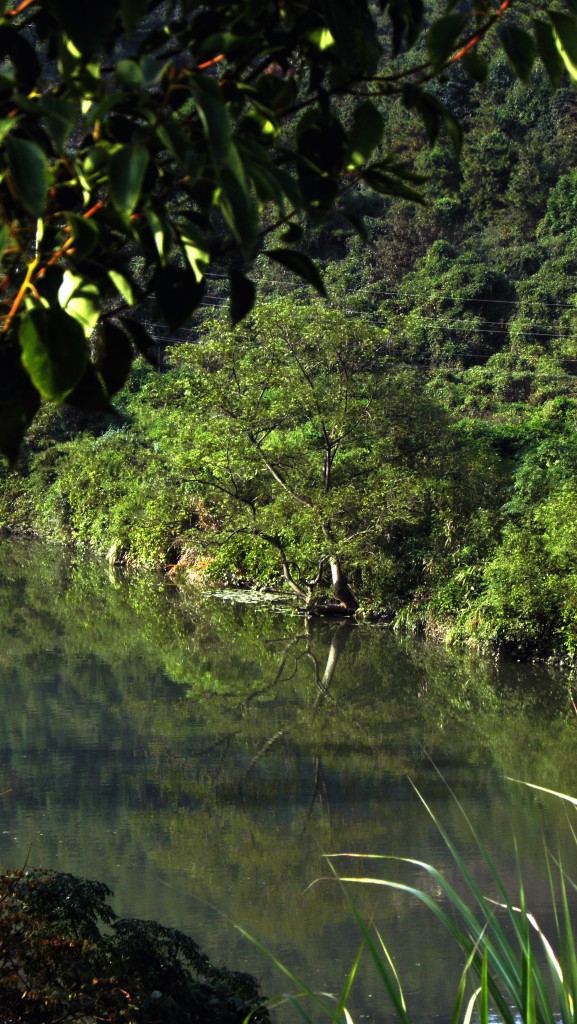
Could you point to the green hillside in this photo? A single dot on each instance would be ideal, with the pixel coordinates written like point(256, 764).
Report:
point(418, 425)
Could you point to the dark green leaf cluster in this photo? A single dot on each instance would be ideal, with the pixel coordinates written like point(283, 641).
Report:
point(58, 965)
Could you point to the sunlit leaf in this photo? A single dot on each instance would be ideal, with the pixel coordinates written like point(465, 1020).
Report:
point(80, 299)
point(54, 351)
point(124, 286)
point(549, 52)
point(565, 34)
point(195, 250)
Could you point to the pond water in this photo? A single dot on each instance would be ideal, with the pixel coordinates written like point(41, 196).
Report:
point(200, 756)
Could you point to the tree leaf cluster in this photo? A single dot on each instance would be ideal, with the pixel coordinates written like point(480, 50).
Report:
point(66, 955)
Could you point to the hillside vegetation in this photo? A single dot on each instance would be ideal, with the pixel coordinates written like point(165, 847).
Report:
point(417, 427)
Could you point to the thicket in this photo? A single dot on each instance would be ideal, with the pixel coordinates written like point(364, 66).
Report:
point(66, 956)
point(439, 378)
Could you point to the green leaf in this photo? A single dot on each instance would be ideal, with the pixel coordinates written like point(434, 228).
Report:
point(322, 38)
point(215, 120)
point(366, 133)
point(6, 126)
point(144, 344)
point(54, 351)
point(565, 34)
point(242, 295)
point(520, 49)
point(475, 66)
point(85, 234)
point(158, 229)
point(124, 287)
point(127, 168)
point(90, 394)
point(80, 299)
point(152, 69)
point(19, 403)
point(388, 185)
point(548, 52)
point(300, 265)
point(129, 73)
point(196, 251)
point(177, 293)
point(28, 168)
point(179, 145)
point(239, 208)
point(443, 35)
point(115, 356)
point(60, 116)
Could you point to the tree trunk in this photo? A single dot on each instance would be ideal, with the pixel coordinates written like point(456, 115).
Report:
point(341, 589)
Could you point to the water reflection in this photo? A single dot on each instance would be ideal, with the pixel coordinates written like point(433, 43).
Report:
point(198, 754)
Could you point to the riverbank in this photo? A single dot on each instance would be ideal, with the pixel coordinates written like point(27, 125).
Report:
point(259, 459)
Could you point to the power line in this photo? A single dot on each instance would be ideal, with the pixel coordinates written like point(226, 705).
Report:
point(490, 326)
point(498, 302)
point(465, 300)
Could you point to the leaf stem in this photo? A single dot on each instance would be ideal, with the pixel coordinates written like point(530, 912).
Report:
point(20, 294)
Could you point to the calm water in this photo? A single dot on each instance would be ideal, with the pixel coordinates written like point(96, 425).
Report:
point(200, 756)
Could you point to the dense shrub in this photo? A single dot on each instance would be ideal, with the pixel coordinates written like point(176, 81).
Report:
point(66, 956)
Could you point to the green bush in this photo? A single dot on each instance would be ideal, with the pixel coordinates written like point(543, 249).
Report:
point(65, 956)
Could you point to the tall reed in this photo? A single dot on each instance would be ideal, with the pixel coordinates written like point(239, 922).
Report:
point(512, 971)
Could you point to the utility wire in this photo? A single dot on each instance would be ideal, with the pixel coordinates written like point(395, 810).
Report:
point(407, 296)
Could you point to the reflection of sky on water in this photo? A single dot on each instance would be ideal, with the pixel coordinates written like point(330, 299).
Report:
point(200, 760)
